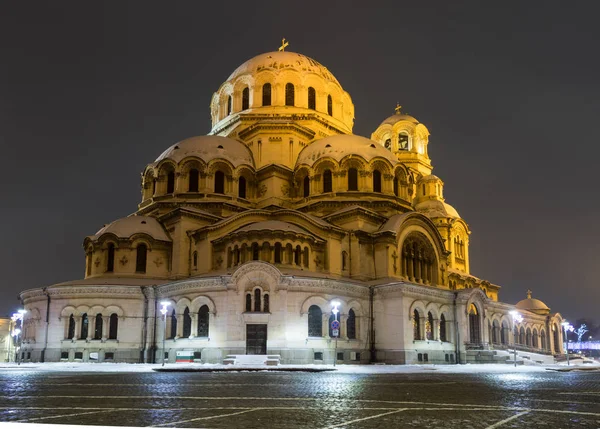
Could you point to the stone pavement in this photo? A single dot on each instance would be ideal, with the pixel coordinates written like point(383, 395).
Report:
point(303, 400)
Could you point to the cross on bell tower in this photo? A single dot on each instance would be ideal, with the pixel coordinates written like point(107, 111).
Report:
point(284, 44)
point(528, 293)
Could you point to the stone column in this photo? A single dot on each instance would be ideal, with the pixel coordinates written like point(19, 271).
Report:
point(344, 326)
point(77, 327)
point(325, 327)
point(194, 329)
point(105, 327)
point(179, 325)
point(91, 327)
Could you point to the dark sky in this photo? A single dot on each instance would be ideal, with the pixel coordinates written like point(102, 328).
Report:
point(90, 92)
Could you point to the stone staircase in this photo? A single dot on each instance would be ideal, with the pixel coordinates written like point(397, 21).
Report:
point(252, 360)
point(490, 356)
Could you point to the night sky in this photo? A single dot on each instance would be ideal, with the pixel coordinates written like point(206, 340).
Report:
point(90, 92)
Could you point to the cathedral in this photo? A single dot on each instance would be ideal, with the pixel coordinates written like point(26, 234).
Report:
point(281, 232)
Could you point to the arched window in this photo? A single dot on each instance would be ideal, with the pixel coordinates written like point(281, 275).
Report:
point(297, 255)
point(266, 94)
point(242, 187)
point(195, 259)
point(248, 302)
point(429, 326)
point(113, 326)
point(416, 325)
point(556, 336)
point(315, 321)
point(443, 328)
point(98, 327)
point(289, 94)
point(84, 326)
point(495, 331)
point(203, 321)
point(278, 253)
point(395, 186)
point(170, 182)
point(329, 105)
point(256, 299)
point(353, 179)
point(193, 180)
point(504, 333)
point(534, 339)
point(305, 257)
point(110, 263)
point(522, 336)
point(312, 98)
point(376, 181)
point(140, 258)
point(388, 144)
point(418, 259)
point(255, 253)
point(219, 182)
point(543, 340)
point(187, 323)
point(266, 304)
point(327, 181)
point(229, 105)
point(173, 324)
point(246, 98)
point(528, 337)
point(306, 186)
point(474, 329)
point(71, 330)
point(403, 141)
point(351, 325)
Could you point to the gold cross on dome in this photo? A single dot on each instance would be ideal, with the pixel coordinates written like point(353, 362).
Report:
point(528, 293)
point(284, 44)
point(398, 108)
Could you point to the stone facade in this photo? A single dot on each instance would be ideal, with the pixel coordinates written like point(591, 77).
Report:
point(249, 234)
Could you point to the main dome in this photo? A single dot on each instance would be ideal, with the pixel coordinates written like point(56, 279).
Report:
point(283, 60)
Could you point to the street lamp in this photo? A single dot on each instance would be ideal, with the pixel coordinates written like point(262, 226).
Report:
point(567, 327)
point(18, 317)
point(163, 311)
point(517, 318)
point(335, 327)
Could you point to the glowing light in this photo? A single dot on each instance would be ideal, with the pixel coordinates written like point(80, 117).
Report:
point(164, 310)
point(516, 316)
point(334, 307)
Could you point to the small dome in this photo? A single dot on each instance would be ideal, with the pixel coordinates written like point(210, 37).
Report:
point(533, 305)
point(128, 226)
point(276, 61)
point(399, 118)
point(208, 148)
point(429, 178)
point(436, 208)
point(340, 146)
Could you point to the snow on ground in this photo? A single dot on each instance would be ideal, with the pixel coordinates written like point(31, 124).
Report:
point(346, 369)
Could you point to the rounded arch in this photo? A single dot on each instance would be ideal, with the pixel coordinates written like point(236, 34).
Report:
point(356, 306)
point(256, 273)
point(317, 300)
point(68, 310)
point(201, 300)
point(419, 306)
point(113, 309)
point(181, 305)
point(81, 309)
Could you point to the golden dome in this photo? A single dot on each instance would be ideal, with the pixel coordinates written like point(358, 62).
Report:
point(533, 305)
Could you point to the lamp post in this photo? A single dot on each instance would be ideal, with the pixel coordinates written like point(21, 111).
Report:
point(18, 317)
point(517, 318)
point(567, 327)
point(163, 311)
point(335, 327)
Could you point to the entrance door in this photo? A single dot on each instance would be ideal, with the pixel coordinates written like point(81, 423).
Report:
point(256, 339)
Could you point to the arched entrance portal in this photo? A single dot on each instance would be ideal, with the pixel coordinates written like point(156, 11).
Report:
point(474, 325)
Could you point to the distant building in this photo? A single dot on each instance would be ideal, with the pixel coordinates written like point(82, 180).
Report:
point(251, 231)
point(6, 348)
